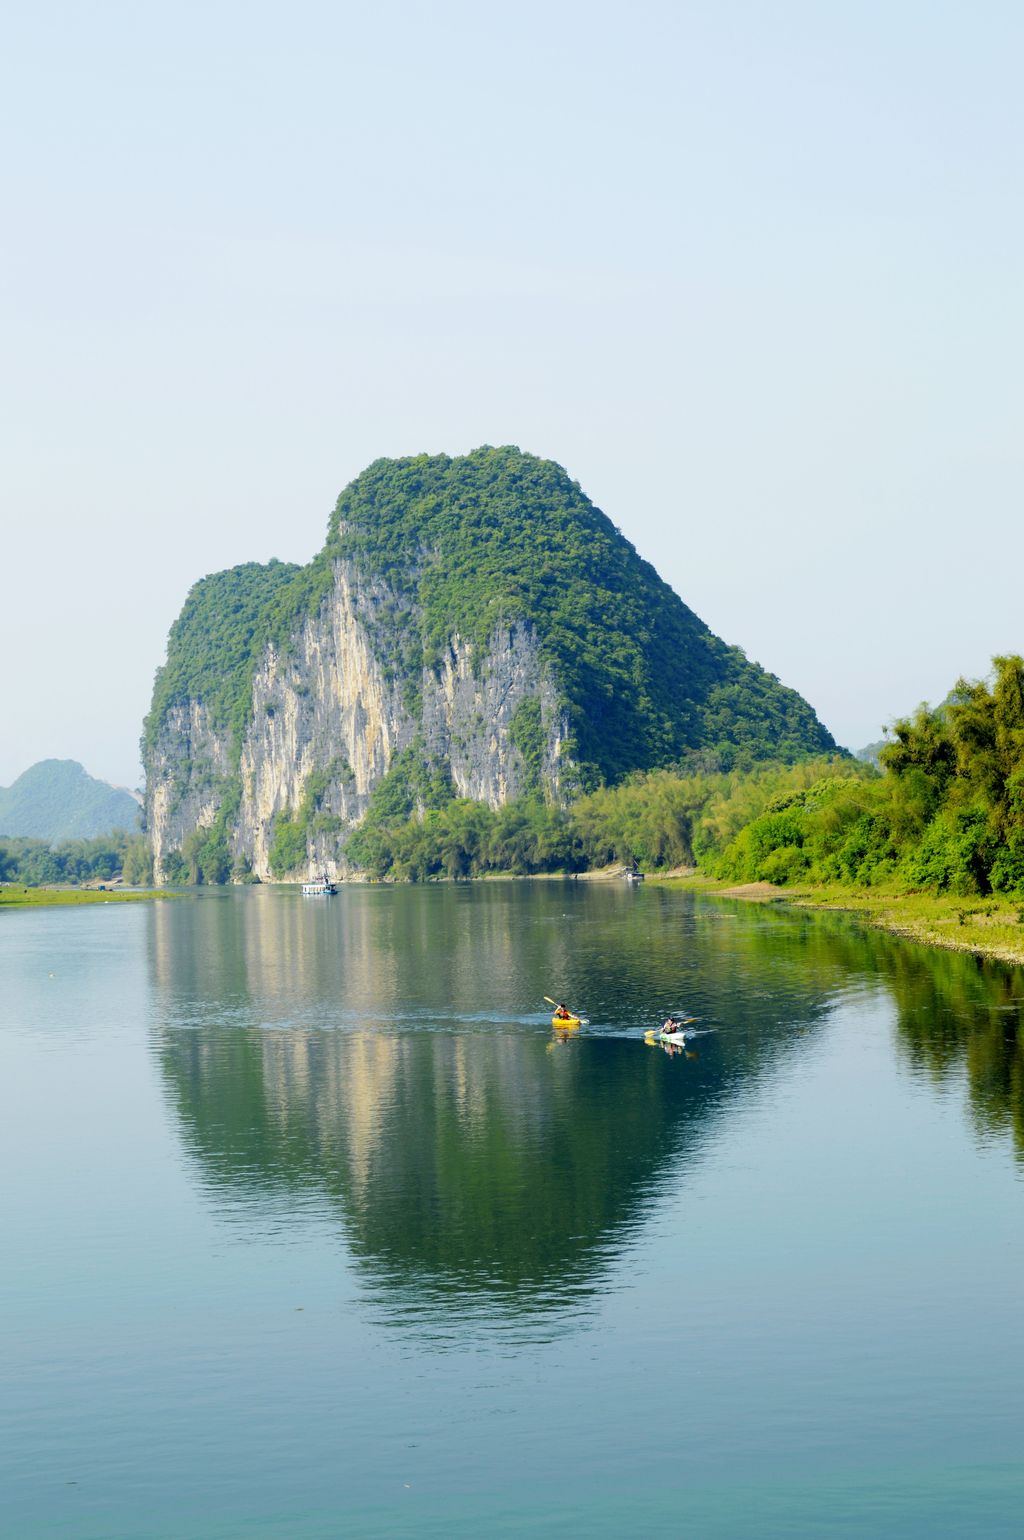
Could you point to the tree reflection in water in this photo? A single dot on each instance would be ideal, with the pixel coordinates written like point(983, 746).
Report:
point(383, 1058)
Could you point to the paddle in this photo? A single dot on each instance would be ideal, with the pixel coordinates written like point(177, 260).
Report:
point(578, 1014)
point(677, 1026)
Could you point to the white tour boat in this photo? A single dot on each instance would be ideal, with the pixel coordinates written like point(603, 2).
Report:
point(320, 887)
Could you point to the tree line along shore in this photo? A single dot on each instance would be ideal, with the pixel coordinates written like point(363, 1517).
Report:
point(933, 840)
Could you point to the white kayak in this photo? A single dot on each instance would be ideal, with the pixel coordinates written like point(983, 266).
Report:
point(655, 1036)
point(683, 1034)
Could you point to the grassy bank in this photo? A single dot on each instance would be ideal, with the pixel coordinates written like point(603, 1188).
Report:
point(991, 927)
point(13, 896)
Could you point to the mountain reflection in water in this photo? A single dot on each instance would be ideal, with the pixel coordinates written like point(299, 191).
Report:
point(384, 1059)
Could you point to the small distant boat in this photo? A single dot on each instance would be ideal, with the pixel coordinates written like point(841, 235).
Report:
point(320, 887)
point(634, 876)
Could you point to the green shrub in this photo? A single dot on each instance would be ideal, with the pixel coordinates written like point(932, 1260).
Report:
point(287, 846)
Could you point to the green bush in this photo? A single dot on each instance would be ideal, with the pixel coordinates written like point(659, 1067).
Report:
point(288, 845)
point(175, 868)
point(947, 815)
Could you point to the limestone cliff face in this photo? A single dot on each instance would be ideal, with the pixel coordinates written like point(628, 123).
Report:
point(468, 711)
point(329, 704)
point(472, 625)
point(185, 773)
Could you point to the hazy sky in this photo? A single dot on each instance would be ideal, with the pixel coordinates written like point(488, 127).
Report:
point(751, 271)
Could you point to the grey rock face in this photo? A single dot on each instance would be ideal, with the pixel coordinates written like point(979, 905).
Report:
point(184, 780)
point(332, 701)
point(468, 709)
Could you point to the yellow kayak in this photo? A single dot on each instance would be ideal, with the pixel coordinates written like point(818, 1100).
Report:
point(566, 1021)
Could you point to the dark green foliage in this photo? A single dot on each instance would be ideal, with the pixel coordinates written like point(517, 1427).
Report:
point(659, 819)
point(242, 872)
point(215, 643)
point(35, 863)
point(137, 865)
point(501, 537)
point(526, 731)
point(467, 839)
point(403, 832)
point(57, 799)
point(410, 785)
point(647, 819)
point(948, 815)
point(666, 819)
point(955, 854)
point(288, 846)
point(205, 856)
point(176, 870)
point(493, 538)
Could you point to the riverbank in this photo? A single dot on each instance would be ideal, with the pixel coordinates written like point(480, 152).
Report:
point(14, 896)
point(988, 927)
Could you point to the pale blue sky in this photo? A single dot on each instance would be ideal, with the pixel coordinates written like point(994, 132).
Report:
point(751, 272)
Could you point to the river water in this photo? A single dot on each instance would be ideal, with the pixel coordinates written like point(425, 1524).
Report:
point(312, 1226)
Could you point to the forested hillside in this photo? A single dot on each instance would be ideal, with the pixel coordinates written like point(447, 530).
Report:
point(57, 799)
point(474, 629)
point(501, 535)
point(947, 815)
point(498, 536)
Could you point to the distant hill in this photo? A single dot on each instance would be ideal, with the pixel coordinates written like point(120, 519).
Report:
point(57, 800)
point(870, 752)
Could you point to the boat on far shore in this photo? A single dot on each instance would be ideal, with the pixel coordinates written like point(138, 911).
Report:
point(320, 887)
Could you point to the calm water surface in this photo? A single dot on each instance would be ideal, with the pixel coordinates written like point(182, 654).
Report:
point(311, 1225)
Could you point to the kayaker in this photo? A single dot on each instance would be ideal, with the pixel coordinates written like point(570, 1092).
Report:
point(563, 1013)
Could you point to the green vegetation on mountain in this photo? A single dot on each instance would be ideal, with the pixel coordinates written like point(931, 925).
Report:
point(214, 646)
point(597, 671)
point(57, 799)
point(498, 537)
point(289, 845)
point(205, 855)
